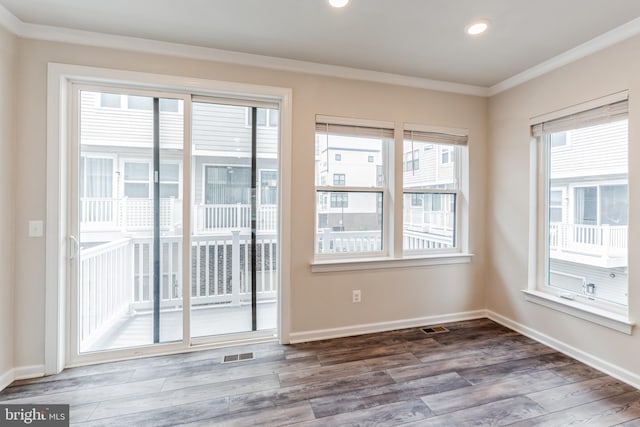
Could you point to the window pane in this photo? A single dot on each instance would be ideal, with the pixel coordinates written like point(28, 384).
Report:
point(136, 190)
point(268, 187)
point(99, 177)
point(169, 172)
point(140, 102)
point(110, 100)
point(169, 190)
point(227, 185)
point(350, 223)
point(586, 205)
point(349, 156)
point(587, 247)
point(169, 105)
point(613, 205)
point(429, 221)
point(136, 171)
point(274, 118)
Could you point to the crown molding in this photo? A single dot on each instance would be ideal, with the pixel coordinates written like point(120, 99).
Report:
point(608, 39)
point(89, 38)
point(9, 21)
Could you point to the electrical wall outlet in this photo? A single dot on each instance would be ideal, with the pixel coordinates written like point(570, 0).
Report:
point(357, 296)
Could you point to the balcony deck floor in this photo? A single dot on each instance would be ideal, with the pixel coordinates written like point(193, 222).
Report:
point(137, 329)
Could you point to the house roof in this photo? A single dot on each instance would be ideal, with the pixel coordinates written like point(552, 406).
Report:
point(413, 42)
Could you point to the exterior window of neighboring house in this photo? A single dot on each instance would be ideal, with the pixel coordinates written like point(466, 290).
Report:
point(431, 198)
point(339, 200)
point(582, 251)
point(225, 185)
point(268, 187)
point(96, 177)
point(416, 160)
point(370, 159)
point(170, 180)
point(556, 199)
point(558, 139)
point(445, 155)
point(110, 100)
point(167, 105)
point(136, 179)
point(135, 102)
point(265, 117)
point(352, 223)
point(339, 179)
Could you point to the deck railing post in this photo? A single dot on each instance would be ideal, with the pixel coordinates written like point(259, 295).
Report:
point(125, 208)
point(235, 267)
point(606, 240)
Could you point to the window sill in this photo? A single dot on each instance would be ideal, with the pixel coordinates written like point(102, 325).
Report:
point(351, 264)
point(599, 316)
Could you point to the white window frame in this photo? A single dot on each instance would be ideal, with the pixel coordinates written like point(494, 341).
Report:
point(114, 180)
point(179, 164)
point(606, 314)
point(149, 180)
point(461, 193)
point(394, 256)
point(382, 189)
point(260, 171)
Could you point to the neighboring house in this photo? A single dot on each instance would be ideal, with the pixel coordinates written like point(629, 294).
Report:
point(588, 210)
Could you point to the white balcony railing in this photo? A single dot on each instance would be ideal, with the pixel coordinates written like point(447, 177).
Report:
point(434, 222)
point(593, 240)
point(133, 214)
point(116, 277)
point(330, 241)
point(104, 292)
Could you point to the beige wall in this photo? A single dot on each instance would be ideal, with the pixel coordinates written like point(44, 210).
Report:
point(609, 71)
point(7, 143)
point(319, 300)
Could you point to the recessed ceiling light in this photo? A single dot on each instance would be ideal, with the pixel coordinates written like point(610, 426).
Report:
point(477, 27)
point(338, 3)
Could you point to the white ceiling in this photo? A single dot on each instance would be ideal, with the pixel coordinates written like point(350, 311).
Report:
point(415, 38)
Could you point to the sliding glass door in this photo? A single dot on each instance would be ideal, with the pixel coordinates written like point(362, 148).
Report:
point(174, 217)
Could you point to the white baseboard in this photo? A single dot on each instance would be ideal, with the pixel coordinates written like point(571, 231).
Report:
point(617, 372)
point(26, 372)
point(21, 373)
point(7, 378)
point(369, 328)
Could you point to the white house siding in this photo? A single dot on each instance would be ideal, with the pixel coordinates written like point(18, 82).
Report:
point(221, 128)
point(610, 284)
point(431, 170)
point(602, 151)
point(124, 127)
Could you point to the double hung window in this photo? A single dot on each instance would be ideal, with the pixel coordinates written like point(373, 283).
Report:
point(432, 191)
point(353, 159)
point(355, 178)
point(582, 206)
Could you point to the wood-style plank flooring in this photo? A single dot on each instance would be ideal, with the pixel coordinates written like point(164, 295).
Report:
point(478, 373)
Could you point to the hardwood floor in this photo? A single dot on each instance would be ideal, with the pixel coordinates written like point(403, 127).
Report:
point(477, 373)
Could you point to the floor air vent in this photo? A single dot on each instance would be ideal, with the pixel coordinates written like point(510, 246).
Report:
point(237, 357)
point(434, 330)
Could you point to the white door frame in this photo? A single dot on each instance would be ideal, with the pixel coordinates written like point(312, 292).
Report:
point(60, 78)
